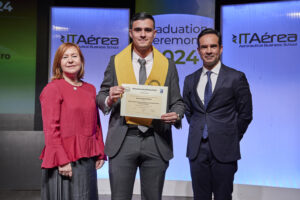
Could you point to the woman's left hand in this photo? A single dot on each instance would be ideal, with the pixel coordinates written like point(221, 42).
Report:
point(65, 170)
point(99, 164)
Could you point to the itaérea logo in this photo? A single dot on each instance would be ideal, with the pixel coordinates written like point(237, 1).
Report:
point(265, 40)
point(91, 41)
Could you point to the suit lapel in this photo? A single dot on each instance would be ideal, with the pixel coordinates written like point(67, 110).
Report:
point(196, 81)
point(219, 83)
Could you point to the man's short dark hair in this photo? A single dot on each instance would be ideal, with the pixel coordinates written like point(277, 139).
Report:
point(141, 16)
point(210, 31)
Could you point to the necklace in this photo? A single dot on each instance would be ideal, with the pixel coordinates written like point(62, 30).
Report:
point(74, 84)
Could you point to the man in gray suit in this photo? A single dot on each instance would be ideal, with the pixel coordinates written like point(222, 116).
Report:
point(134, 143)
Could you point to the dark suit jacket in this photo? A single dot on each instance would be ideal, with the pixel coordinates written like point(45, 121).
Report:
point(228, 113)
point(117, 125)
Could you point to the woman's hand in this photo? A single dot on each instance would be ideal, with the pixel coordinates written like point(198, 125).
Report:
point(99, 164)
point(65, 170)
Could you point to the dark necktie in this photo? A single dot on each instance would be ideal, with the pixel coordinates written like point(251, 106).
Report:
point(207, 96)
point(208, 89)
point(142, 73)
point(142, 80)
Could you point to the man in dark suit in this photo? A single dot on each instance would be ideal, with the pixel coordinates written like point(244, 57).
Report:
point(134, 143)
point(218, 110)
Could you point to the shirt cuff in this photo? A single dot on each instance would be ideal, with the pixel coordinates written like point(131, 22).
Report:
point(106, 102)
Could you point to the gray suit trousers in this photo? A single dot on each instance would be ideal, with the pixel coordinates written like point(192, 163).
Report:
point(137, 152)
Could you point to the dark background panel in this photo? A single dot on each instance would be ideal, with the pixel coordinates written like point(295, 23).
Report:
point(19, 159)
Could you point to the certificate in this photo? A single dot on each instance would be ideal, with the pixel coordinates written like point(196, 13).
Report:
point(144, 101)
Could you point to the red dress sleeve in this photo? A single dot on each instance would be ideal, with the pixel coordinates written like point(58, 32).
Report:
point(99, 137)
point(53, 154)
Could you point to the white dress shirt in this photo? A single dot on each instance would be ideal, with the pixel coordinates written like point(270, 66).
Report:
point(136, 65)
point(203, 80)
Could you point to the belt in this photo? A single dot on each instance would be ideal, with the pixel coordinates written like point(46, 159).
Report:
point(134, 131)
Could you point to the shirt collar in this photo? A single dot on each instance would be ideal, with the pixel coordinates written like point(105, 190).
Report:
point(148, 58)
point(214, 70)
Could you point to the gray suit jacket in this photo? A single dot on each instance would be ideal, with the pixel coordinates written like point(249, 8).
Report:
point(117, 124)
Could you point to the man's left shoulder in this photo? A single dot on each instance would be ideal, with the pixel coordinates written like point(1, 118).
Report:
point(232, 71)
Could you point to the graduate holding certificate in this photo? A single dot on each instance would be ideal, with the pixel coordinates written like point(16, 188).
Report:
point(140, 142)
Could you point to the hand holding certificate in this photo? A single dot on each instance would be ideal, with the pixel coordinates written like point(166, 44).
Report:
point(144, 101)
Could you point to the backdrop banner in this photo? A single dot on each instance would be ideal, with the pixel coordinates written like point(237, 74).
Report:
point(100, 33)
point(261, 39)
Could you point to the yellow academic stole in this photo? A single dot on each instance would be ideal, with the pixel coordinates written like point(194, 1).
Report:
point(125, 75)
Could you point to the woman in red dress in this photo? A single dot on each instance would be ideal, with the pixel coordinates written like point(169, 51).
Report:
point(74, 147)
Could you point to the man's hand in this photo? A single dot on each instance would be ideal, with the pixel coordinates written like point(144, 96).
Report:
point(114, 94)
point(170, 118)
point(65, 170)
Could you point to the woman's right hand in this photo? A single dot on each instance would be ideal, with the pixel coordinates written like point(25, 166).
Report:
point(65, 170)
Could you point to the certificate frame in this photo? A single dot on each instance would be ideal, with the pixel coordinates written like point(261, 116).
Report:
point(144, 101)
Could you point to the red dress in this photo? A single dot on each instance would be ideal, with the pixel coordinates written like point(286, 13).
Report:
point(71, 123)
